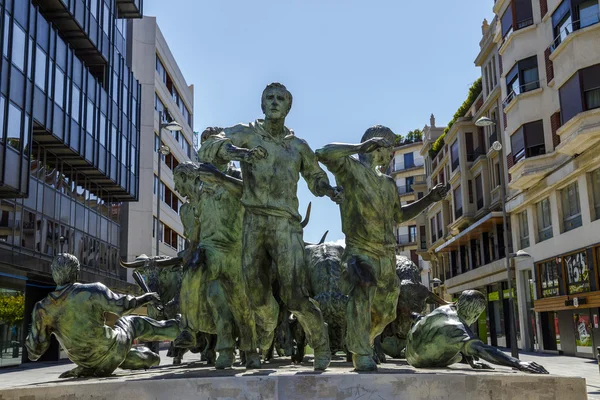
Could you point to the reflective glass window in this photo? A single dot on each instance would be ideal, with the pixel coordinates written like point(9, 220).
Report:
point(59, 88)
point(18, 47)
point(13, 129)
point(40, 68)
point(75, 104)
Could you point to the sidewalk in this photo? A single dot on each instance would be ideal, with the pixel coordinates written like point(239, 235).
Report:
point(36, 373)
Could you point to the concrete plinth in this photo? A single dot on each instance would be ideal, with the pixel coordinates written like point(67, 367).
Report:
point(177, 383)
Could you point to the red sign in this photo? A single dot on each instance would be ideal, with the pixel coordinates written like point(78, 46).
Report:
point(595, 320)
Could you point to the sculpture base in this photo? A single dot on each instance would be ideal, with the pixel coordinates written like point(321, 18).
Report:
point(279, 380)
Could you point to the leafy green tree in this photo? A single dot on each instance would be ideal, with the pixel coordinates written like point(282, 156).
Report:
point(12, 308)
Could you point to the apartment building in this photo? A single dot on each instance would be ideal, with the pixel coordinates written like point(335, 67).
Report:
point(164, 93)
point(408, 171)
point(550, 66)
point(464, 234)
point(69, 140)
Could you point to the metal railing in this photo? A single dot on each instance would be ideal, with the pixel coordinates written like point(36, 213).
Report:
point(524, 23)
point(527, 87)
point(405, 190)
point(420, 179)
point(406, 239)
point(589, 20)
point(404, 166)
point(475, 154)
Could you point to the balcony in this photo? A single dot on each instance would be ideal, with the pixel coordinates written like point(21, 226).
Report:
point(529, 171)
point(129, 9)
point(579, 133)
point(478, 152)
point(517, 91)
point(406, 239)
point(404, 166)
point(404, 191)
point(572, 28)
point(420, 179)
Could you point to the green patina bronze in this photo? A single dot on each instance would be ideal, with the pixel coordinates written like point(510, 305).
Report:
point(213, 295)
point(370, 210)
point(74, 314)
point(443, 338)
point(272, 159)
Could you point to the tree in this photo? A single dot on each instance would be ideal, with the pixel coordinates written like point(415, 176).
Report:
point(12, 308)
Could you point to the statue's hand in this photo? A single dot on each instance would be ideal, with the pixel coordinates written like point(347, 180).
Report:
point(336, 194)
point(481, 365)
point(531, 367)
point(439, 192)
point(255, 154)
point(152, 298)
point(374, 144)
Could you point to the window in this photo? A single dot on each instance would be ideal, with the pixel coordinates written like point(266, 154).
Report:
point(578, 274)
point(59, 87)
point(573, 15)
point(544, 220)
point(40, 68)
point(409, 183)
point(518, 15)
point(470, 190)
point(409, 160)
point(580, 93)
point(588, 13)
point(571, 208)
point(89, 118)
point(160, 69)
point(13, 129)
point(438, 217)
point(479, 191)
point(106, 20)
point(6, 32)
point(454, 154)
point(94, 8)
point(18, 47)
point(595, 181)
point(433, 230)
point(75, 104)
point(523, 77)
point(155, 184)
point(458, 210)
point(523, 229)
point(549, 278)
point(528, 141)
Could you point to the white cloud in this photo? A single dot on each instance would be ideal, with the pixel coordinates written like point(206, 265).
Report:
point(339, 242)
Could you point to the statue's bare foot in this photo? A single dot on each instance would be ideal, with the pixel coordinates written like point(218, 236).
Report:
point(252, 360)
point(78, 372)
point(225, 359)
point(364, 363)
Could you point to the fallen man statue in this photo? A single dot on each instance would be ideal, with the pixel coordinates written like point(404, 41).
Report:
point(442, 338)
point(74, 314)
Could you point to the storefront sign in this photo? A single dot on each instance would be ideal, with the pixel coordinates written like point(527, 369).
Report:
point(576, 301)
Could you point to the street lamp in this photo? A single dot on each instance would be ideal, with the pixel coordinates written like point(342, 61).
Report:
point(497, 146)
point(162, 150)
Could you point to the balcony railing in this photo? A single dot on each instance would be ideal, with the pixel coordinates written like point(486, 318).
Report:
point(528, 152)
point(402, 190)
point(406, 239)
point(524, 242)
point(404, 166)
point(525, 23)
point(475, 154)
point(584, 22)
point(423, 243)
point(544, 234)
point(420, 179)
point(527, 87)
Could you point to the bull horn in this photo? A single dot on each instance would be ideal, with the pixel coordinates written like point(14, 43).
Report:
point(168, 262)
point(133, 264)
point(437, 299)
point(307, 217)
point(323, 237)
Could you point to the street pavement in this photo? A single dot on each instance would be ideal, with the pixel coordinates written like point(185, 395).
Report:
point(39, 373)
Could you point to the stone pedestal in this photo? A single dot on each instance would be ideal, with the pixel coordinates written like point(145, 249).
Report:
point(183, 384)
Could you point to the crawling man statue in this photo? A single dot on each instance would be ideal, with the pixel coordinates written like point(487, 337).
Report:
point(443, 338)
point(74, 314)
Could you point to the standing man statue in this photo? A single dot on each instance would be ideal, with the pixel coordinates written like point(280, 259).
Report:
point(369, 212)
point(272, 160)
point(74, 314)
point(442, 338)
point(213, 295)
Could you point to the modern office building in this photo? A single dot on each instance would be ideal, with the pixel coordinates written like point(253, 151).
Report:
point(69, 140)
point(550, 60)
point(164, 93)
point(408, 171)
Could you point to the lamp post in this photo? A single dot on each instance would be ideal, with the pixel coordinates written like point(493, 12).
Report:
point(162, 150)
point(497, 146)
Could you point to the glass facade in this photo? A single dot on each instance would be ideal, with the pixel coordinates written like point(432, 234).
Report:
point(69, 140)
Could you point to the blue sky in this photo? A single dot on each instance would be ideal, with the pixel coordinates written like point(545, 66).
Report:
point(349, 65)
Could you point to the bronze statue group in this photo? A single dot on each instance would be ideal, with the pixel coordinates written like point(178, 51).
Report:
point(248, 281)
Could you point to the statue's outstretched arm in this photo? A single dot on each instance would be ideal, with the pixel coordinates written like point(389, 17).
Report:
point(491, 354)
point(209, 173)
point(335, 151)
